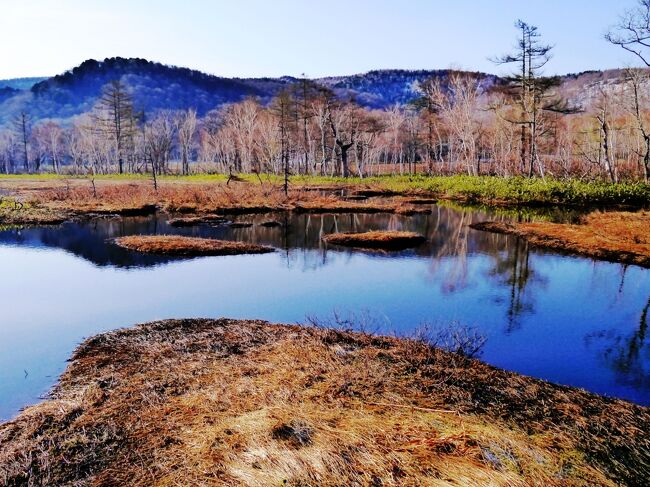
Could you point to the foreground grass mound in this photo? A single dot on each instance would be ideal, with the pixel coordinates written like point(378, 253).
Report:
point(227, 402)
point(614, 236)
point(384, 240)
point(175, 245)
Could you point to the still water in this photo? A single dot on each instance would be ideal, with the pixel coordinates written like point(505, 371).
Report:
point(565, 319)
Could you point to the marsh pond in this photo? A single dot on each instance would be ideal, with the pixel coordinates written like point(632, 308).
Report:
point(566, 319)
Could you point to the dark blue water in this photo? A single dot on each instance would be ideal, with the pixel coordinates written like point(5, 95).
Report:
point(566, 319)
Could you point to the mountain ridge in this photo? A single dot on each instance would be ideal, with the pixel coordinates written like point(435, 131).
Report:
point(157, 86)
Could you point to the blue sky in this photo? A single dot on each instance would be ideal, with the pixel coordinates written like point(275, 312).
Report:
point(277, 37)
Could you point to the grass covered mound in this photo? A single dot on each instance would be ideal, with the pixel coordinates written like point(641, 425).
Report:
point(327, 204)
point(197, 220)
point(613, 236)
point(385, 240)
point(13, 212)
point(228, 402)
point(187, 246)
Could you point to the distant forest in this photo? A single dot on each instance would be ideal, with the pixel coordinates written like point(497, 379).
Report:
point(133, 115)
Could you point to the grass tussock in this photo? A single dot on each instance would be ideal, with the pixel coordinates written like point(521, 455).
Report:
point(191, 221)
point(331, 204)
point(384, 240)
point(613, 236)
point(227, 402)
point(16, 213)
point(175, 245)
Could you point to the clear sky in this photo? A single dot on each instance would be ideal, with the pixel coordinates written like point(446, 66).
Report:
point(278, 37)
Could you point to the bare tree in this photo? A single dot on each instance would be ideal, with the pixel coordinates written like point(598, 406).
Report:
point(458, 106)
point(186, 130)
point(343, 124)
point(159, 141)
point(638, 100)
point(632, 32)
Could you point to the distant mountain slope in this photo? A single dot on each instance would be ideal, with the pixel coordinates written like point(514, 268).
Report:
point(156, 86)
point(382, 88)
point(20, 83)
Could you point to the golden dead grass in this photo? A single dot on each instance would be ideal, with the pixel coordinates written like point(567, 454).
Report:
point(386, 240)
point(613, 236)
point(331, 204)
point(227, 402)
point(206, 198)
point(197, 220)
point(187, 246)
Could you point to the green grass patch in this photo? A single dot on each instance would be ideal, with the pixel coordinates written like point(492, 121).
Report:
point(483, 189)
point(514, 190)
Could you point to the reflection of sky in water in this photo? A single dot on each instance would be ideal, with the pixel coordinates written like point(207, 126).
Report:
point(561, 318)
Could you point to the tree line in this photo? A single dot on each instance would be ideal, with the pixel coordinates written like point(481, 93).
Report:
point(461, 124)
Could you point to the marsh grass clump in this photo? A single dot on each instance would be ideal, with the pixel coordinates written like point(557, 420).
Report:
point(230, 402)
point(383, 240)
point(454, 337)
point(613, 236)
point(197, 220)
point(15, 213)
point(175, 245)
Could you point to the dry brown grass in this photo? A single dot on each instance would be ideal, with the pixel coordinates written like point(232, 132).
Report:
point(226, 402)
point(331, 204)
point(235, 198)
point(385, 240)
point(206, 198)
point(187, 246)
point(197, 220)
point(613, 236)
point(131, 197)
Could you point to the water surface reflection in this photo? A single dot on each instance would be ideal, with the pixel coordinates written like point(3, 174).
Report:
point(562, 318)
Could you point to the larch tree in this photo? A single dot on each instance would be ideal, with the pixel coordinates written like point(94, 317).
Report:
point(22, 127)
point(532, 92)
point(116, 117)
point(283, 109)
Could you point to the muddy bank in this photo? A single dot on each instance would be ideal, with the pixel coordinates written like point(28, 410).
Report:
point(174, 245)
point(614, 236)
point(227, 402)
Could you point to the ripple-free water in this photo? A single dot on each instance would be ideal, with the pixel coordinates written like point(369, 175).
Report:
point(566, 319)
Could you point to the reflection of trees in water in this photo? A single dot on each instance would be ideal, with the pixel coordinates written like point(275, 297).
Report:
point(512, 269)
point(628, 356)
point(451, 241)
point(299, 237)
